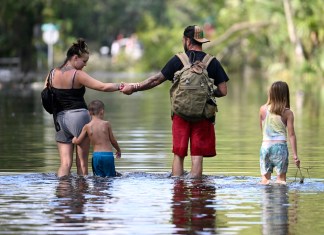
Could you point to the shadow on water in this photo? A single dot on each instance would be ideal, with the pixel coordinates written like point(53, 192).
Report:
point(155, 203)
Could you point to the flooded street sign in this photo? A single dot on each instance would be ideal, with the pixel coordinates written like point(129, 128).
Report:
point(50, 37)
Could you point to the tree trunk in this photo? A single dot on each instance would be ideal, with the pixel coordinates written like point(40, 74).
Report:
point(294, 39)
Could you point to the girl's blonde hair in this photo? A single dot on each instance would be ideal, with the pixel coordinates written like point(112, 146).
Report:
point(278, 97)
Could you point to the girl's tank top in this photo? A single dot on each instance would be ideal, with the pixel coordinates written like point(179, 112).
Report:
point(273, 128)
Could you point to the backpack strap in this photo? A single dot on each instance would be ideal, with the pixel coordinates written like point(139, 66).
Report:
point(184, 58)
point(207, 59)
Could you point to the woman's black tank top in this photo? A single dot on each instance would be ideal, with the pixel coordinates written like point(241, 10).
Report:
point(67, 99)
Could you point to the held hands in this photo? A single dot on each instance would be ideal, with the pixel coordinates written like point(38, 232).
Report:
point(129, 88)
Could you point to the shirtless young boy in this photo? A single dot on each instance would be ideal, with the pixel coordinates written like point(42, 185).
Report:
point(102, 139)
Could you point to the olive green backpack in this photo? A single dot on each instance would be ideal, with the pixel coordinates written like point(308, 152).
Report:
point(192, 90)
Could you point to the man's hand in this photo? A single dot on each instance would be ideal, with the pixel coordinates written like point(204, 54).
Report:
point(127, 89)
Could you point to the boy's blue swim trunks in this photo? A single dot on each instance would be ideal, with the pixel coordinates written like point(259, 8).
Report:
point(103, 164)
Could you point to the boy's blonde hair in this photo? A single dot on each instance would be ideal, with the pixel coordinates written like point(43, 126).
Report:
point(95, 107)
point(278, 98)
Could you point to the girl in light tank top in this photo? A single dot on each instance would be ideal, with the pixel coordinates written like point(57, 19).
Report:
point(277, 125)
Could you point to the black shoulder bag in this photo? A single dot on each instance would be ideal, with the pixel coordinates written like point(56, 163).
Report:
point(47, 95)
point(49, 99)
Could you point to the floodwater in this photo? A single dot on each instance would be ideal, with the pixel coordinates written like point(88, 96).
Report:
point(145, 199)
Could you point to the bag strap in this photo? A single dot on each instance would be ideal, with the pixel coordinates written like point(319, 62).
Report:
point(207, 59)
point(184, 58)
point(49, 78)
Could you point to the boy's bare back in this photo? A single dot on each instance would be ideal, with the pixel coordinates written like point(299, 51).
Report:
point(100, 134)
point(98, 130)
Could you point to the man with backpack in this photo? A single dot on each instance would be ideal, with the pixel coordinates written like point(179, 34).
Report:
point(197, 79)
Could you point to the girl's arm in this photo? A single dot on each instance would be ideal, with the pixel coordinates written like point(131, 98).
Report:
point(261, 115)
point(83, 134)
point(292, 136)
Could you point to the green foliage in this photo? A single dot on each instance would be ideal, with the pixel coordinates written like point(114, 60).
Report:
point(159, 43)
point(18, 19)
point(242, 32)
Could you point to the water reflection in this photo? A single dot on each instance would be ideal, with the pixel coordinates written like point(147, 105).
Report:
point(192, 207)
point(70, 201)
point(143, 201)
point(275, 203)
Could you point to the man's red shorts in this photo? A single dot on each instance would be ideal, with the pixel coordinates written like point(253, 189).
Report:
point(201, 135)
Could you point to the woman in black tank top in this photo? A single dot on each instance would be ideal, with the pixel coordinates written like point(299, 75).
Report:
point(69, 84)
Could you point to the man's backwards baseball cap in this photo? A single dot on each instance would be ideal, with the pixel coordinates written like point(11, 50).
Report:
point(196, 33)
